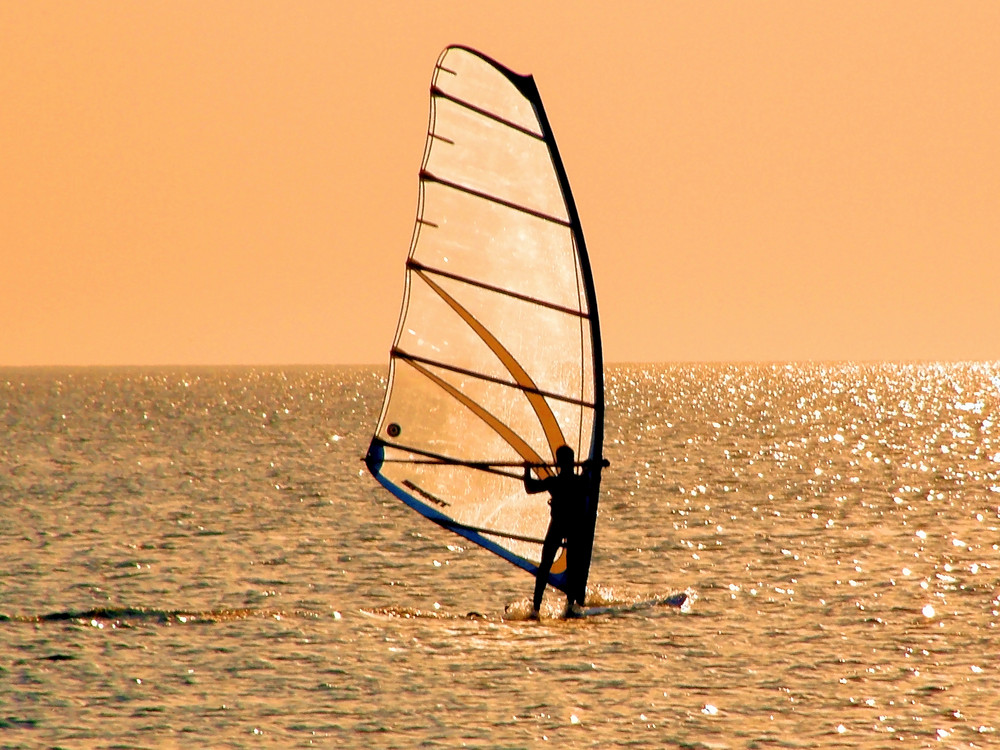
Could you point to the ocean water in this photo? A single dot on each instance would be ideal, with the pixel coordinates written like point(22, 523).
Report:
point(197, 557)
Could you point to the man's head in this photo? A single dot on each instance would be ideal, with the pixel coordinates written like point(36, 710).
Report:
point(564, 458)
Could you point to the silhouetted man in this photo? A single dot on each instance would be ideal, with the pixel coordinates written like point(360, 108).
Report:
point(569, 492)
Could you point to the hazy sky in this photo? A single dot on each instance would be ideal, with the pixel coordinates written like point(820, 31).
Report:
point(236, 182)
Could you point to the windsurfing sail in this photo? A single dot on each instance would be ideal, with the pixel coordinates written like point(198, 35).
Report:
point(497, 359)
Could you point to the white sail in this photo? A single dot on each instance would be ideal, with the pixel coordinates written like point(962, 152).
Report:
point(497, 359)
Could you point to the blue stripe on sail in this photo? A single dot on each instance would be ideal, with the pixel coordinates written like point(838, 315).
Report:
point(373, 460)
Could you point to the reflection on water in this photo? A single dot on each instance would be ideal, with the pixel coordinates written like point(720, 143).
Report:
point(198, 556)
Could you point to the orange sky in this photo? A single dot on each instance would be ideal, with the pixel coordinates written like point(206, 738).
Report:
point(236, 182)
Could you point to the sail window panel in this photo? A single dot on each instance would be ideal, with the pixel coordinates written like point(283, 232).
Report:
point(544, 341)
point(493, 159)
point(413, 416)
point(508, 404)
point(427, 418)
point(433, 330)
point(458, 434)
point(496, 245)
point(471, 79)
point(458, 493)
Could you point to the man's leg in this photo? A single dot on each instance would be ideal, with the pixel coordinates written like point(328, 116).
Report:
point(577, 561)
point(549, 549)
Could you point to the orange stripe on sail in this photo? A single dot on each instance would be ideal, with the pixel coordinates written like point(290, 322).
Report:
point(553, 432)
point(519, 444)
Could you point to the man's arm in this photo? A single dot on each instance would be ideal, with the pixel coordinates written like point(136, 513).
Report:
point(531, 485)
point(591, 468)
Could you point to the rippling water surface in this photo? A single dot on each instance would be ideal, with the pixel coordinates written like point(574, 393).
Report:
point(197, 557)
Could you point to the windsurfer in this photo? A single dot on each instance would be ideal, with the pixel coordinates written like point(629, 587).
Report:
point(569, 497)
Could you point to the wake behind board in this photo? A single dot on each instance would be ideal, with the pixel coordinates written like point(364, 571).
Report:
point(409, 613)
point(520, 611)
point(611, 606)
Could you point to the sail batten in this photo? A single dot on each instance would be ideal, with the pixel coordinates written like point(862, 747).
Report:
point(428, 177)
point(435, 91)
point(418, 266)
point(494, 466)
point(496, 362)
point(399, 353)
